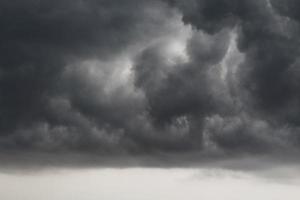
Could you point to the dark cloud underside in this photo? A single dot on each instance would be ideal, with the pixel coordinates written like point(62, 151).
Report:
point(131, 82)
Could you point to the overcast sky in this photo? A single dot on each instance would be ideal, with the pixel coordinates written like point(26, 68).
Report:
point(148, 184)
point(149, 83)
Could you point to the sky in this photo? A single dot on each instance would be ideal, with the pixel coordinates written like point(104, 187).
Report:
point(141, 87)
point(147, 184)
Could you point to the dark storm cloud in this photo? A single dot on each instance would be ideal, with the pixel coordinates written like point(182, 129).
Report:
point(268, 36)
point(185, 89)
point(265, 85)
point(39, 37)
point(40, 99)
point(165, 83)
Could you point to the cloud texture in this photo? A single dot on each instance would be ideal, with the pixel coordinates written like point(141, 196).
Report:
point(165, 83)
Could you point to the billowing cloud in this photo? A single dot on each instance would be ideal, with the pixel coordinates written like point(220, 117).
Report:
point(163, 83)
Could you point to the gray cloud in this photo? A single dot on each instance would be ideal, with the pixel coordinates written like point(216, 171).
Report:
point(171, 83)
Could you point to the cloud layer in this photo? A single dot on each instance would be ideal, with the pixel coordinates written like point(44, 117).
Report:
point(165, 83)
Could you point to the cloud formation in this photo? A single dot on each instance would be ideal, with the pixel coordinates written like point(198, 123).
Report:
point(164, 83)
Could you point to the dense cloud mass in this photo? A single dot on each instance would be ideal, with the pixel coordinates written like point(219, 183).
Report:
point(162, 82)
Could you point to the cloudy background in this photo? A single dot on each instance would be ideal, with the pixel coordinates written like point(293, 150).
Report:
point(159, 88)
